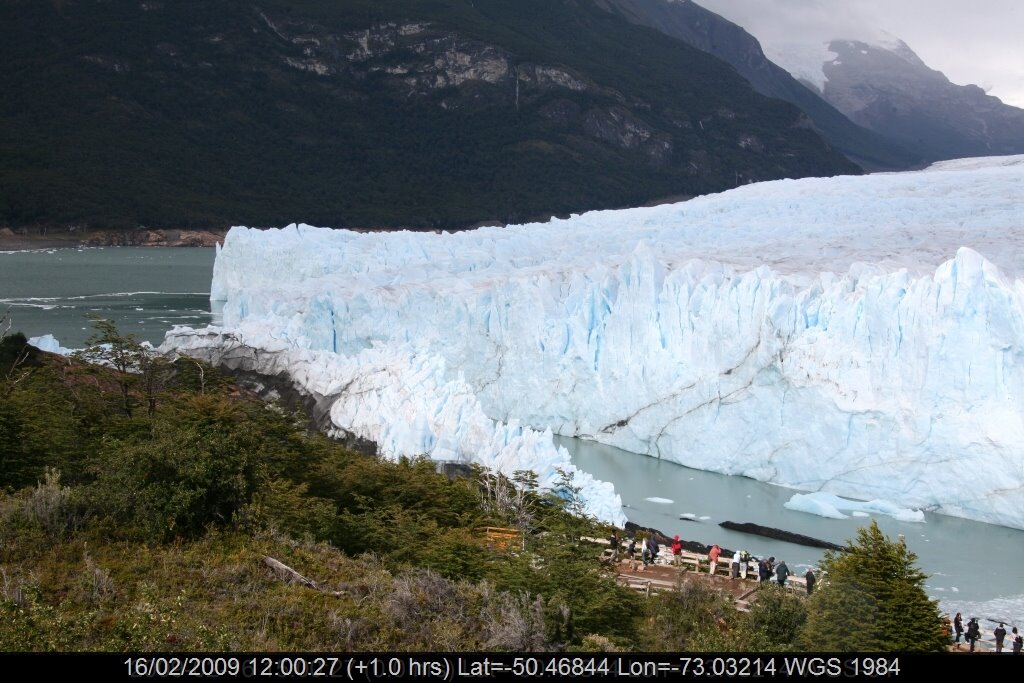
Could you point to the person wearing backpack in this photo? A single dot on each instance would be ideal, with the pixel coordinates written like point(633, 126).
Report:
point(782, 573)
point(973, 632)
point(1000, 634)
point(653, 540)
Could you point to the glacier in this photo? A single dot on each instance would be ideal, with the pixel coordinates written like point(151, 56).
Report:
point(859, 335)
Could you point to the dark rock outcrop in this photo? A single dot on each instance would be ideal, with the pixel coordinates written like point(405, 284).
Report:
point(779, 535)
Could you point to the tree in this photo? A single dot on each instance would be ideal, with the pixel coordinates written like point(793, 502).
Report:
point(774, 620)
point(123, 352)
point(15, 355)
point(873, 600)
point(193, 469)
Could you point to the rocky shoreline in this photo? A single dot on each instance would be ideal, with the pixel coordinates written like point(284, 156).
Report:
point(12, 241)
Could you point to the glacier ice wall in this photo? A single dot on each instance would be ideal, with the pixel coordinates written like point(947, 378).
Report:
point(851, 335)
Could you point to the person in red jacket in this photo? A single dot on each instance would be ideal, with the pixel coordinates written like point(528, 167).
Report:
point(677, 549)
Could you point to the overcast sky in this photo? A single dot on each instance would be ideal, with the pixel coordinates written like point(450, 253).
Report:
point(971, 41)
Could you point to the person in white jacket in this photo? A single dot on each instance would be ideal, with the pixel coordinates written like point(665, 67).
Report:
point(735, 569)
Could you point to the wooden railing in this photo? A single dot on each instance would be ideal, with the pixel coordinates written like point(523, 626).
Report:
point(700, 563)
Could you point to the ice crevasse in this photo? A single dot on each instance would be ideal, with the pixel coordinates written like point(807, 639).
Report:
point(851, 335)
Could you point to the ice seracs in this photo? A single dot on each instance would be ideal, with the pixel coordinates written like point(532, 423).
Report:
point(860, 336)
point(49, 343)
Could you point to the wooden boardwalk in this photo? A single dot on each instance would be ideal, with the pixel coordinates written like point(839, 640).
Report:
point(664, 575)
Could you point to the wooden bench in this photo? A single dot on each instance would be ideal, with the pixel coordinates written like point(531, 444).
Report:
point(502, 539)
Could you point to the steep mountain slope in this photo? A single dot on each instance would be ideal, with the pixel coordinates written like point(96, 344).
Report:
point(368, 113)
point(707, 31)
point(888, 89)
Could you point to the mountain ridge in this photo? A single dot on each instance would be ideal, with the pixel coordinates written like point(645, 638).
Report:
point(375, 114)
point(705, 30)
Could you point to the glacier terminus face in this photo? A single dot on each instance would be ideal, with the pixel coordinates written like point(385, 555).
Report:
point(860, 336)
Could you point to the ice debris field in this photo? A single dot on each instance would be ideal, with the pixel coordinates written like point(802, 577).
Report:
point(858, 336)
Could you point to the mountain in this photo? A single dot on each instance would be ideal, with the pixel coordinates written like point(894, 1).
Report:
point(883, 85)
point(696, 26)
point(783, 331)
point(368, 113)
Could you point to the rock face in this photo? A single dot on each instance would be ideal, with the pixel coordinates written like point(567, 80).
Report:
point(364, 114)
point(154, 238)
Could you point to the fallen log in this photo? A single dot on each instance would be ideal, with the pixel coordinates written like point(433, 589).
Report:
point(286, 573)
point(779, 535)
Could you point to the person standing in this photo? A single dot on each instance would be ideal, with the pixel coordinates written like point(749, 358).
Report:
point(613, 540)
point(763, 573)
point(782, 573)
point(713, 556)
point(734, 569)
point(744, 563)
point(650, 550)
point(1000, 634)
point(809, 579)
point(973, 632)
point(677, 550)
point(1018, 641)
point(958, 626)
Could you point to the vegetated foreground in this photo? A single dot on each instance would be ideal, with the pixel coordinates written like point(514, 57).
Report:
point(141, 501)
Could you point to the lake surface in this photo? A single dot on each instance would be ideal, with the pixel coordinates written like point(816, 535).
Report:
point(145, 290)
point(974, 568)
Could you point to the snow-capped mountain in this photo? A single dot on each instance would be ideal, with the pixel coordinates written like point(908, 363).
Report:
point(843, 51)
point(881, 84)
point(862, 336)
point(703, 29)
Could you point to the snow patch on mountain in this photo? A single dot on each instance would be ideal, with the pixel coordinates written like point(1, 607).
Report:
point(804, 61)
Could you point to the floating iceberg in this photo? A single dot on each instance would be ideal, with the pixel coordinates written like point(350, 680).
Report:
point(851, 335)
point(833, 507)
